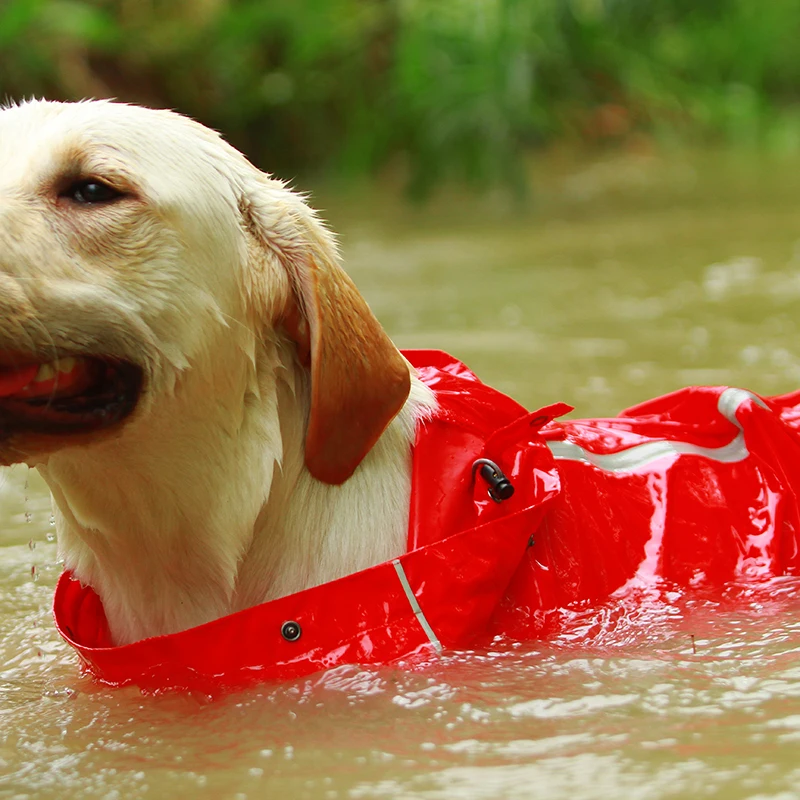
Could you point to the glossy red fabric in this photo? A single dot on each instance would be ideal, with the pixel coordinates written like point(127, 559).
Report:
point(599, 506)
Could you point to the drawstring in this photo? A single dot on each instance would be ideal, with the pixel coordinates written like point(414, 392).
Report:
point(500, 487)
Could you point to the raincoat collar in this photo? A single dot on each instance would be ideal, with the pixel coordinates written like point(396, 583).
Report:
point(463, 550)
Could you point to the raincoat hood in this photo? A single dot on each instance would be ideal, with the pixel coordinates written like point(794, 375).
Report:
point(589, 517)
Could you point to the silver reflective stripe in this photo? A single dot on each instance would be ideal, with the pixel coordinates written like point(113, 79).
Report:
point(641, 454)
point(415, 606)
point(730, 400)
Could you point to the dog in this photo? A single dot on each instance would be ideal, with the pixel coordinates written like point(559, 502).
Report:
point(239, 455)
point(219, 416)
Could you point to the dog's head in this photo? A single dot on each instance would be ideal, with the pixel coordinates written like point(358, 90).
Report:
point(132, 240)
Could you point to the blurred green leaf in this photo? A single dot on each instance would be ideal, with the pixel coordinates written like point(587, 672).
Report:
point(15, 16)
point(80, 22)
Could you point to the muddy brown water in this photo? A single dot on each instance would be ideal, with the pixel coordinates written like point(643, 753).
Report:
point(633, 276)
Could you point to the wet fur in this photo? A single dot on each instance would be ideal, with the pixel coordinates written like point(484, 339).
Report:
point(227, 486)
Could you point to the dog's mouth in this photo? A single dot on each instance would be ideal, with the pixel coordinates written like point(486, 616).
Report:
point(71, 394)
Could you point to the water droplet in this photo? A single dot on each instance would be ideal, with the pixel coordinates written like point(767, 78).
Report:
point(67, 694)
point(52, 520)
point(31, 544)
point(51, 537)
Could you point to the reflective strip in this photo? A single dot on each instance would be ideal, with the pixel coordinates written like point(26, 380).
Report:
point(640, 455)
point(730, 400)
point(415, 606)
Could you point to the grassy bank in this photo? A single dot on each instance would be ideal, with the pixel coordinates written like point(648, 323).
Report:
point(437, 89)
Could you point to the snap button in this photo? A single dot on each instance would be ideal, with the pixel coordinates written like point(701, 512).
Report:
point(291, 631)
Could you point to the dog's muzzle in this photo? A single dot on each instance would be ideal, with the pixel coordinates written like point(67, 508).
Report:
point(67, 395)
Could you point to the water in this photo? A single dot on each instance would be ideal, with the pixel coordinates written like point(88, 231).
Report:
point(634, 276)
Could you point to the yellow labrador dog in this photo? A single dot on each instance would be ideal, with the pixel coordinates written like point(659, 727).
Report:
point(220, 418)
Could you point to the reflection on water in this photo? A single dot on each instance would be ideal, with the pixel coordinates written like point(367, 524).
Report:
point(633, 277)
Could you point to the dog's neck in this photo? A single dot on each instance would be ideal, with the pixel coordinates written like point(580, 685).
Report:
point(203, 505)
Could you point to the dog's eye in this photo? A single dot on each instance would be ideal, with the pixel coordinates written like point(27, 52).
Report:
point(91, 192)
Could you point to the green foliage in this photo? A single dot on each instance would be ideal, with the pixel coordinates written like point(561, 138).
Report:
point(446, 89)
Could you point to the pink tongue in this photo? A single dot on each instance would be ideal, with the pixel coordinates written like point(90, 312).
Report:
point(12, 379)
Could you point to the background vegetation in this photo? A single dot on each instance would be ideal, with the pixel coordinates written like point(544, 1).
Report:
point(437, 89)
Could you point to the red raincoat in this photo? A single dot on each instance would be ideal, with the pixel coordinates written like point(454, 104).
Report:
point(696, 486)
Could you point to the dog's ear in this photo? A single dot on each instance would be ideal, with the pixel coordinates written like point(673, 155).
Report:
point(359, 380)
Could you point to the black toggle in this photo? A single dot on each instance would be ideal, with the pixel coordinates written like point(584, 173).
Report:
point(500, 487)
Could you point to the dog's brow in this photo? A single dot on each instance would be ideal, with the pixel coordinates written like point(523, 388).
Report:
point(79, 161)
